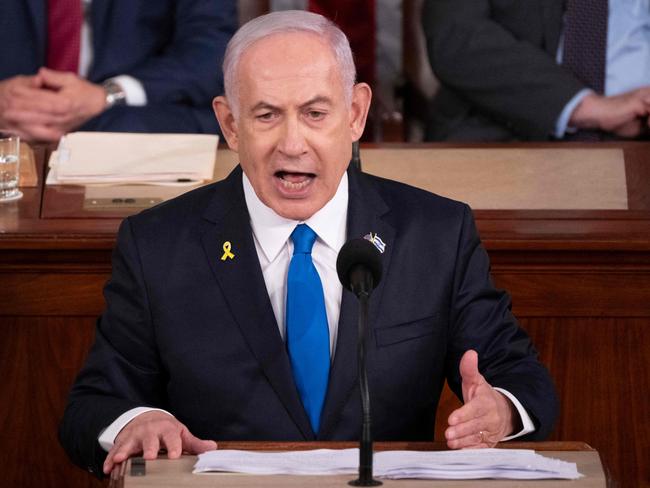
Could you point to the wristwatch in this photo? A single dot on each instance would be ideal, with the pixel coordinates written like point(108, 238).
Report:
point(115, 94)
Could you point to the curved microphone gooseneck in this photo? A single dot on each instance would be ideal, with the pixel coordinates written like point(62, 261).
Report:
point(359, 269)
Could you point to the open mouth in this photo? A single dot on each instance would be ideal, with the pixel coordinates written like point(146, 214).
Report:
point(294, 181)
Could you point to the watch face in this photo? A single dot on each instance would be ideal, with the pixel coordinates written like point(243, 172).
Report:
point(114, 94)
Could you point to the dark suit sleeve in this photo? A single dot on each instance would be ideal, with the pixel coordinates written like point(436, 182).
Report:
point(188, 69)
point(122, 370)
point(481, 320)
point(504, 76)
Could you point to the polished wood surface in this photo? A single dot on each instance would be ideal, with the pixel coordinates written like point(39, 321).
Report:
point(395, 446)
point(580, 282)
point(27, 171)
point(163, 473)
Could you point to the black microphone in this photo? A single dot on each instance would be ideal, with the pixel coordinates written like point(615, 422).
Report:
point(359, 268)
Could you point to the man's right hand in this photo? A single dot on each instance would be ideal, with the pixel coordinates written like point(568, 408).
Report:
point(148, 433)
point(625, 115)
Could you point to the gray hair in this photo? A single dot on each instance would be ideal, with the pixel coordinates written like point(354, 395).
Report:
point(281, 23)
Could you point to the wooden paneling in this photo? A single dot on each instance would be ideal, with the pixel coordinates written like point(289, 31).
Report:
point(48, 294)
point(600, 367)
point(578, 292)
point(580, 283)
point(39, 359)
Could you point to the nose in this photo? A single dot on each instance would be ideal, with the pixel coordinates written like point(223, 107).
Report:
point(292, 142)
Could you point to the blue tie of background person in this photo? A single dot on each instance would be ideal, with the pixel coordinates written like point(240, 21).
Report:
point(307, 329)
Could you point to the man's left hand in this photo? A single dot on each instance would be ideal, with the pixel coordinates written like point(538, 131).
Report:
point(86, 99)
point(487, 415)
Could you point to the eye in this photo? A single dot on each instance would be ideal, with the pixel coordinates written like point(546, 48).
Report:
point(266, 116)
point(315, 114)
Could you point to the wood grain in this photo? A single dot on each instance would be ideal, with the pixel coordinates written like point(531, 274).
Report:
point(39, 358)
point(28, 172)
point(600, 366)
point(580, 285)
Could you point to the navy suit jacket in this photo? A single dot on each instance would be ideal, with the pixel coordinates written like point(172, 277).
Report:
point(174, 47)
point(496, 62)
point(188, 332)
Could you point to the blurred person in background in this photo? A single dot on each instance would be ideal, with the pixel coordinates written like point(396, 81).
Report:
point(111, 65)
point(539, 69)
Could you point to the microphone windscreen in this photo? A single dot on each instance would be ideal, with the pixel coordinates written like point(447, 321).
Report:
point(358, 252)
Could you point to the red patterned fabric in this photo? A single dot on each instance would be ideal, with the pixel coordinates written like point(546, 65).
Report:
point(357, 19)
point(64, 19)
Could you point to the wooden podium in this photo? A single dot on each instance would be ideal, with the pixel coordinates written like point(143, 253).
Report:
point(578, 272)
point(164, 473)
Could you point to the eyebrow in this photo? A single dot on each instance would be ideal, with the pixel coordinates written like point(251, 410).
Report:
point(269, 106)
point(264, 106)
point(317, 99)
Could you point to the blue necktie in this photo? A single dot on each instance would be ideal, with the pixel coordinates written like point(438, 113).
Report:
point(307, 330)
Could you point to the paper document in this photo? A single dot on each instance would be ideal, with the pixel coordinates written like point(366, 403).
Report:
point(462, 464)
point(118, 158)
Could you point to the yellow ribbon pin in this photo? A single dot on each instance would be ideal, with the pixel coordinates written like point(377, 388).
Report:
point(226, 251)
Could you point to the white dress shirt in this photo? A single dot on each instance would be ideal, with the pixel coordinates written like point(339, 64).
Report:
point(274, 247)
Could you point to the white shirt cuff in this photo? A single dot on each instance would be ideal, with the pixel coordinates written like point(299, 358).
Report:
point(526, 421)
point(107, 437)
point(561, 126)
point(135, 94)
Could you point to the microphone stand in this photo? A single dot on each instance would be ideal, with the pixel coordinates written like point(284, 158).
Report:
point(365, 443)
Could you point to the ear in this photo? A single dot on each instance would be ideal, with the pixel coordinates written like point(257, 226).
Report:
point(361, 97)
point(227, 121)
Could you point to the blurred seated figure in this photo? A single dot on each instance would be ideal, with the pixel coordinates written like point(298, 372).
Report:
point(119, 65)
point(539, 69)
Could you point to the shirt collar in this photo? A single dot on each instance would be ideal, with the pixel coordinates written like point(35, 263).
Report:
point(272, 231)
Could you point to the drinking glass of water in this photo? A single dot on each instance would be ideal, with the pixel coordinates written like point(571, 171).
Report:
point(9, 166)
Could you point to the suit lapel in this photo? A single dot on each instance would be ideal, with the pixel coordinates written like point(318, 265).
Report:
point(99, 15)
point(552, 14)
point(38, 16)
point(242, 285)
point(365, 211)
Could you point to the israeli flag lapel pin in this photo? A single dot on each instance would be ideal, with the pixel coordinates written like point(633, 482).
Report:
point(376, 241)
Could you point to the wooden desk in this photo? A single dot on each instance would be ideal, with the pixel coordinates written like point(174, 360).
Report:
point(164, 473)
point(580, 282)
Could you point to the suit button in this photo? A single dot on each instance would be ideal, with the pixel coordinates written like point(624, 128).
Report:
point(91, 470)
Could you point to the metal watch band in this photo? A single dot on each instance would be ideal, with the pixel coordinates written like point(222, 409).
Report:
point(115, 94)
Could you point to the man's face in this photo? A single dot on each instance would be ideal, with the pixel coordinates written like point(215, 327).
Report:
point(294, 128)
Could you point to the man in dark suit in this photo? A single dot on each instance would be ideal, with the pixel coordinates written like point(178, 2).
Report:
point(135, 66)
point(196, 323)
point(497, 61)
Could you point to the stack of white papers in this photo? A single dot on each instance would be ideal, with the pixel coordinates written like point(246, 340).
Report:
point(315, 462)
point(127, 158)
point(463, 464)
